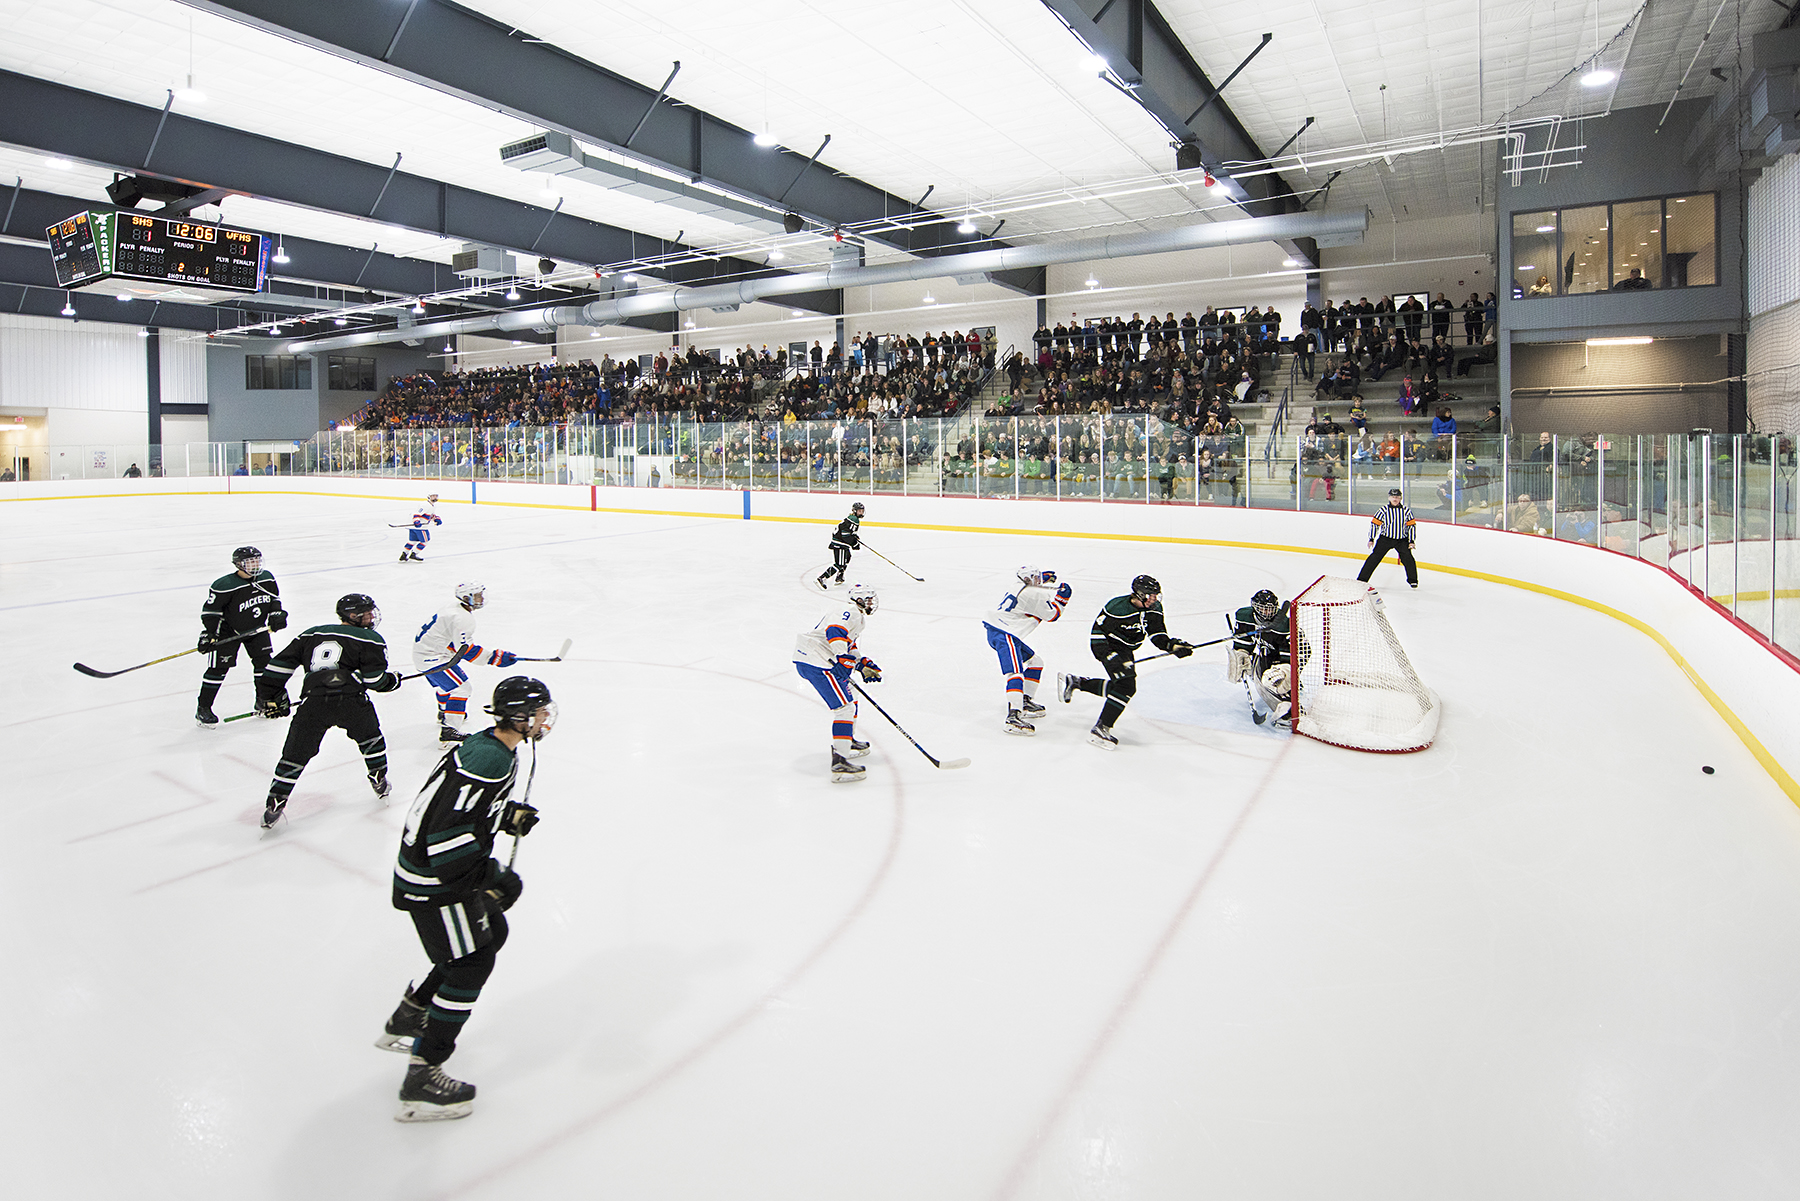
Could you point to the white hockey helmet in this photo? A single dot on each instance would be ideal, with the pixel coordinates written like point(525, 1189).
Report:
point(1039, 577)
point(864, 598)
point(472, 593)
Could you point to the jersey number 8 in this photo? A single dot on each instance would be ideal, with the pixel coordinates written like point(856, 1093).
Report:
point(325, 656)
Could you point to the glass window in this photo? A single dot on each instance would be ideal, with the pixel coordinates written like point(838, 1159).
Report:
point(1637, 245)
point(1691, 254)
point(1534, 254)
point(1584, 246)
point(264, 372)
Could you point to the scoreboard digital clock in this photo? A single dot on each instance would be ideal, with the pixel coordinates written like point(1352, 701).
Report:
point(90, 247)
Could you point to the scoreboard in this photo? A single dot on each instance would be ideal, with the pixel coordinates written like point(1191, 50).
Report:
point(93, 246)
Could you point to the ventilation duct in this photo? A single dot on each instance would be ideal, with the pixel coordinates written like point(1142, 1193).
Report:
point(557, 154)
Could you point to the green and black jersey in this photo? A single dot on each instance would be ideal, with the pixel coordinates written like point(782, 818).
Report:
point(1247, 632)
point(235, 605)
point(1122, 627)
point(846, 534)
point(448, 842)
point(339, 660)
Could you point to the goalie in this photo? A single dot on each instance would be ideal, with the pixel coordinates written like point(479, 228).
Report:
point(1261, 657)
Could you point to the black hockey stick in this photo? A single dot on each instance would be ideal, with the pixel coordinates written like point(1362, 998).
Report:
point(945, 765)
point(85, 670)
point(1193, 645)
point(532, 776)
point(556, 658)
point(909, 575)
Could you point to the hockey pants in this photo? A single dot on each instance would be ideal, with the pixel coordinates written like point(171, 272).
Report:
point(462, 940)
point(355, 715)
point(222, 660)
point(1119, 686)
point(1382, 546)
point(452, 685)
point(1022, 667)
point(840, 561)
point(834, 690)
point(416, 539)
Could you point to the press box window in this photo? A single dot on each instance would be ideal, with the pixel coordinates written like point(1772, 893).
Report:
point(264, 372)
point(348, 373)
point(1630, 246)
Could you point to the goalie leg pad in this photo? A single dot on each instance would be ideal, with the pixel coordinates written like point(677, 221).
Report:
point(1237, 666)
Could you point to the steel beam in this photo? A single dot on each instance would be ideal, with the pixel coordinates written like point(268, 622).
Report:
point(444, 46)
point(105, 132)
point(1147, 56)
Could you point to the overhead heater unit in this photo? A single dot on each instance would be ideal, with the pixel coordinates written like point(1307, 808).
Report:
point(483, 262)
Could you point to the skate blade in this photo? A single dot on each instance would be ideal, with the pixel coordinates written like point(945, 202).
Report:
point(1021, 731)
point(857, 754)
point(208, 725)
point(848, 777)
point(401, 1043)
point(1103, 744)
point(422, 1111)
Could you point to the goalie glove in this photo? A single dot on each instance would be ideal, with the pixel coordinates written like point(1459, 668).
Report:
point(518, 818)
point(273, 707)
point(871, 673)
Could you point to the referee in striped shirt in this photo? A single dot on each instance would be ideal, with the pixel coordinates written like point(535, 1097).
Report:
point(1392, 528)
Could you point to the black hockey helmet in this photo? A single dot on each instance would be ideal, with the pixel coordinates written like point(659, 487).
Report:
point(1265, 604)
point(1145, 586)
point(247, 554)
point(355, 605)
point(857, 508)
point(518, 699)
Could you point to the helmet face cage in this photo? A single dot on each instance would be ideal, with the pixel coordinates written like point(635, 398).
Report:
point(431, 499)
point(523, 705)
point(864, 598)
point(472, 593)
point(1041, 577)
point(358, 605)
point(247, 559)
point(1146, 586)
point(1265, 604)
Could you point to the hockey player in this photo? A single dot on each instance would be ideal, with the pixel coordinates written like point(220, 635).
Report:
point(1260, 655)
point(443, 645)
point(844, 540)
point(446, 878)
point(418, 532)
point(1037, 599)
point(1125, 624)
point(825, 656)
point(246, 602)
point(343, 663)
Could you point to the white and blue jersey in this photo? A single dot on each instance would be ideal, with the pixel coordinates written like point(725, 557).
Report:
point(1018, 614)
point(420, 533)
point(826, 655)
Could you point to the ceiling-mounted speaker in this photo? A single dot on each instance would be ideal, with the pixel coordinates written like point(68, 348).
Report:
point(1187, 157)
point(792, 223)
point(546, 266)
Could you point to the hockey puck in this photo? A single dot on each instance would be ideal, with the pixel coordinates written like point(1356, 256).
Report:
point(1707, 770)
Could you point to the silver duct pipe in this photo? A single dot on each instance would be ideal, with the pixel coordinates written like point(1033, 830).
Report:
point(1338, 226)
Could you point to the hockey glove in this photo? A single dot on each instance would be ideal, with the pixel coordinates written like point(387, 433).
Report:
point(871, 673)
point(503, 658)
point(277, 620)
point(387, 683)
point(845, 665)
point(519, 818)
point(1180, 649)
point(208, 643)
point(503, 886)
point(274, 707)
point(1064, 592)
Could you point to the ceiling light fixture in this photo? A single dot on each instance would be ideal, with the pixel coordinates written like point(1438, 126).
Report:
point(123, 296)
point(966, 225)
point(1620, 341)
point(765, 139)
point(340, 321)
point(1093, 64)
point(418, 306)
point(275, 330)
point(1092, 282)
point(1290, 262)
point(797, 313)
point(1599, 77)
point(58, 164)
point(512, 292)
point(190, 94)
point(775, 256)
point(930, 299)
point(143, 333)
point(68, 309)
point(281, 254)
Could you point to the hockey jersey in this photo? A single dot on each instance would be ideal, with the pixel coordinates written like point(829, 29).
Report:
point(338, 661)
point(447, 846)
point(1021, 612)
point(425, 517)
point(1122, 627)
point(447, 637)
point(834, 637)
point(235, 605)
point(846, 534)
point(1247, 633)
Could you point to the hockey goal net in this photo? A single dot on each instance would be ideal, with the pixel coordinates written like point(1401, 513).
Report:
point(1354, 686)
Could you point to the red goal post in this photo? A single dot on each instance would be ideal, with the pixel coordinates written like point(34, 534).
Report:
point(1353, 684)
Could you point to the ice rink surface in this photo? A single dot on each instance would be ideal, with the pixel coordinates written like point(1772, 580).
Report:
point(1547, 958)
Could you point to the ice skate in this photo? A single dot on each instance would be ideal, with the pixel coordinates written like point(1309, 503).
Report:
point(1102, 737)
point(845, 772)
point(428, 1095)
point(1065, 686)
point(272, 810)
point(450, 734)
point(407, 1024)
point(205, 718)
point(1016, 724)
point(379, 782)
point(823, 586)
point(404, 556)
point(857, 749)
point(1032, 708)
